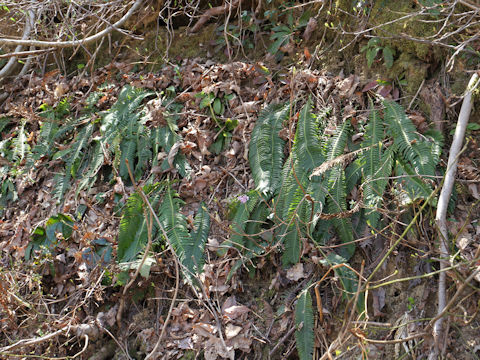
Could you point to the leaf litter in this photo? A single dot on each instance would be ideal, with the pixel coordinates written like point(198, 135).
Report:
point(71, 282)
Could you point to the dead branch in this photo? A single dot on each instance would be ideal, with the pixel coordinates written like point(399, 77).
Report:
point(72, 43)
point(441, 216)
point(25, 53)
point(219, 10)
point(7, 69)
point(28, 342)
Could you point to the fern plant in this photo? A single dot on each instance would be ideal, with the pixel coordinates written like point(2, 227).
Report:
point(307, 199)
point(121, 135)
point(302, 192)
point(188, 245)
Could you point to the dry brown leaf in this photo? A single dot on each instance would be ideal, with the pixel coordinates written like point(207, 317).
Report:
point(232, 330)
point(235, 311)
point(214, 348)
point(296, 272)
point(310, 28)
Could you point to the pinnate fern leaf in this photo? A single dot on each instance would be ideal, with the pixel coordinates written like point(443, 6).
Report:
point(377, 165)
point(375, 184)
point(304, 326)
point(133, 234)
point(195, 252)
point(175, 223)
point(337, 198)
point(240, 222)
point(307, 145)
point(266, 148)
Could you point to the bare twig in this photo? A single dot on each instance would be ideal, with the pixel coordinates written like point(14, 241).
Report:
point(282, 340)
point(72, 43)
point(441, 215)
point(28, 342)
point(218, 10)
point(25, 53)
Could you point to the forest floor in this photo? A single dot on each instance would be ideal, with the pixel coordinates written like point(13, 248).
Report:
point(49, 302)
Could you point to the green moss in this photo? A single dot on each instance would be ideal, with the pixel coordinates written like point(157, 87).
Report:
point(183, 45)
point(414, 70)
point(386, 11)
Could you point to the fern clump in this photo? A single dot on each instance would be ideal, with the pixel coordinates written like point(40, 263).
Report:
point(317, 178)
point(188, 245)
point(307, 198)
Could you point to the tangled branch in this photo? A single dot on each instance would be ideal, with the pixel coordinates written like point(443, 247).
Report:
point(72, 43)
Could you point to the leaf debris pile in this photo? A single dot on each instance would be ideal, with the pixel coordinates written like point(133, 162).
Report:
point(75, 290)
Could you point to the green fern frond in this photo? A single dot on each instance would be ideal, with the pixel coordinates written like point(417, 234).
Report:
point(304, 338)
point(336, 182)
point(337, 196)
point(287, 182)
point(128, 149)
point(401, 127)
point(20, 144)
point(317, 189)
point(81, 141)
point(67, 130)
point(418, 158)
point(409, 146)
point(240, 222)
point(296, 218)
point(291, 239)
point(307, 145)
point(374, 185)
point(195, 254)
point(295, 198)
point(435, 140)
point(258, 219)
point(175, 224)
point(353, 173)
point(4, 122)
point(291, 200)
point(410, 187)
point(133, 234)
point(377, 168)
point(45, 140)
point(337, 203)
point(144, 154)
point(94, 165)
point(266, 148)
point(336, 145)
point(374, 134)
point(62, 185)
point(123, 113)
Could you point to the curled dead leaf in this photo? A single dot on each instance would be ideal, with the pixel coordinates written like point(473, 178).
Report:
point(296, 272)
